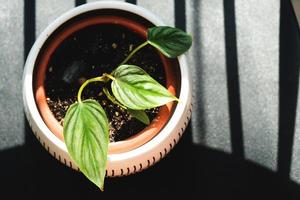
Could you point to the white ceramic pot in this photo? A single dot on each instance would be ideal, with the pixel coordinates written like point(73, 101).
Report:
point(119, 163)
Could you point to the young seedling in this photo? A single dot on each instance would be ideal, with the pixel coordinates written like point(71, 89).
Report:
point(86, 130)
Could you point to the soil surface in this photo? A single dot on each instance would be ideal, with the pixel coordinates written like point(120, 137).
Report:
point(91, 52)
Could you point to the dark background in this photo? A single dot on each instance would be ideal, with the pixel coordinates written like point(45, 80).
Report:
point(192, 170)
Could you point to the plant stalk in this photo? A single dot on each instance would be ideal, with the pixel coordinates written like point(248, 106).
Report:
point(109, 76)
point(96, 79)
point(111, 98)
point(133, 52)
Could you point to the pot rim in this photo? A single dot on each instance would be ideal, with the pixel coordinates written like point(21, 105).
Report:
point(32, 110)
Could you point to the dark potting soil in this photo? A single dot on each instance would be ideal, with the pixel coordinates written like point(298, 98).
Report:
point(91, 52)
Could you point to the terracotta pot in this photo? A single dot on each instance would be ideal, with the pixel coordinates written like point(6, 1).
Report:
point(43, 63)
point(146, 147)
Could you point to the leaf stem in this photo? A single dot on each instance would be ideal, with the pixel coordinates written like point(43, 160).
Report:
point(134, 51)
point(109, 76)
point(96, 79)
point(111, 98)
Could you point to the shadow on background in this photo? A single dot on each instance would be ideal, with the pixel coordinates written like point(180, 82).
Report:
point(79, 2)
point(233, 85)
point(289, 63)
point(196, 172)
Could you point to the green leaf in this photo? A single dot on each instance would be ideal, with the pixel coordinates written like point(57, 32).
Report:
point(140, 115)
point(172, 42)
point(86, 137)
point(136, 90)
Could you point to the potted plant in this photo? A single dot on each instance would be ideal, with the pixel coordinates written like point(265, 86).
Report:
point(104, 91)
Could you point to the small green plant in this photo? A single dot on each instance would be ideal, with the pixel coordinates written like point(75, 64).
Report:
point(86, 130)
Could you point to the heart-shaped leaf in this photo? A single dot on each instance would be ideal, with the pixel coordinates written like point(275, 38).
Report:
point(172, 42)
point(140, 115)
point(136, 90)
point(86, 137)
